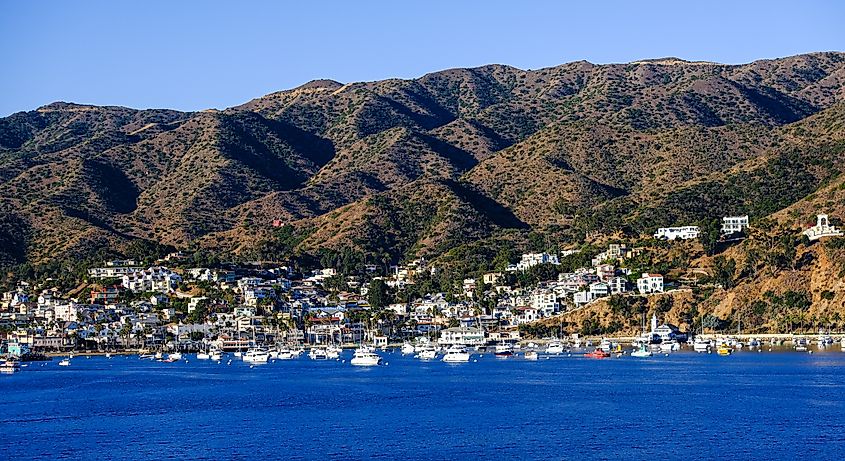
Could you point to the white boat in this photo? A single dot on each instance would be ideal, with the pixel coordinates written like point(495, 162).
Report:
point(64, 363)
point(284, 353)
point(147, 356)
point(215, 355)
point(203, 356)
point(428, 352)
point(701, 345)
point(606, 345)
point(642, 351)
point(174, 356)
point(365, 357)
point(159, 356)
point(333, 351)
point(256, 355)
point(800, 344)
point(554, 347)
point(9, 367)
point(503, 350)
point(532, 355)
point(842, 344)
point(456, 354)
point(407, 348)
point(669, 346)
point(318, 353)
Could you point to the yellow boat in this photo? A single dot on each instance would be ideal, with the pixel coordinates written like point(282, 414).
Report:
point(724, 350)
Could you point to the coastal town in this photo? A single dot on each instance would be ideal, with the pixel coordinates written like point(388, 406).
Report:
point(171, 306)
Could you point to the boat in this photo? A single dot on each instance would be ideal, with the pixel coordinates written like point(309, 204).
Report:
point(503, 350)
point(256, 355)
point(407, 348)
point(642, 351)
point(10, 366)
point(333, 351)
point(724, 350)
point(159, 356)
point(532, 355)
point(598, 353)
point(428, 352)
point(174, 356)
point(365, 357)
point(669, 346)
point(456, 354)
point(554, 347)
point(147, 356)
point(800, 345)
point(203, 356)
point(318, 353)
point(842, 344)
point(701, 345)
point(215, 355)
point(64, 362)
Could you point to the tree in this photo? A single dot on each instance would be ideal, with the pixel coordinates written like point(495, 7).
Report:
point(723, 271)
point(710, 233)
point(377, 294)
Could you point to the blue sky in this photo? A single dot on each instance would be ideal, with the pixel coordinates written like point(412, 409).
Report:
point(193, 55)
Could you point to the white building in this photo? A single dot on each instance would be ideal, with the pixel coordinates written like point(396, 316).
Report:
point(530, 260)
point(822, 229)
point(545, 301)
point(673, 233)
point(465, 336)
point(153, 279)
point(733, 224)
point(618, 285)
point(650, 283)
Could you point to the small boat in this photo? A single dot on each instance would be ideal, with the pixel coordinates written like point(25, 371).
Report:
point(456, 354)
point(64, 362)
point(842, 344)
point(203, 356)
point(256, 355)
point(800, 345)
point(318, 353)
point(407, 348)
point(532, 355)
point(159, 356)
point(285, 353)
point(333, 351)
point(10, 366)
point(701, 345)
point(147, 356)
point(174, 356)
point(108, 355)
point(724, 350)
point(365, 357)
point(428, 352)
point(215, 355)
point(554, 347)
point(503, 350)
point(642, 351)
point(598, 354)
point(669, 346)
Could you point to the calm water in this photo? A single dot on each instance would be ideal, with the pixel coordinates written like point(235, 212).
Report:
point(750, 405)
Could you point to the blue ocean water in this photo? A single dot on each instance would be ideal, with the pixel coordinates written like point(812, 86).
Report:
point(685, 406)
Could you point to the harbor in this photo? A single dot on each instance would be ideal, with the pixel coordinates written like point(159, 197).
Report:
point(407, 408)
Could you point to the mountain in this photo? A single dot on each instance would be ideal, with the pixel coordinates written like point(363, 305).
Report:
point(396, 168)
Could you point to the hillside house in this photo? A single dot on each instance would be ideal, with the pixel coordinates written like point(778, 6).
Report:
point(734, 224)
point(650, 283)
point(677, 233)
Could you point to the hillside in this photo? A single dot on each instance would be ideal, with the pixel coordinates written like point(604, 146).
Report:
point(397, 168)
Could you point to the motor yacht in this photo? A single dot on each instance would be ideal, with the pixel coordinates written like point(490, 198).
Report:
point(456, 354)
point(554, 347)
point(318, 353)
point(365, 357)
point(64, 362)
point(503, 350)
point(701, 345)
point(428, 352)
point(407, 348)
point(532, 356)
point(641, 351)
point(333, 351)
point(256, 355)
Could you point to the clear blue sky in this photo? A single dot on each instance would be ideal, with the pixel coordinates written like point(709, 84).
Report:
point(193, 55)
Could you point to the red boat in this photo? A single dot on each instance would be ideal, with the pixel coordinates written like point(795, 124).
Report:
point(598, 354)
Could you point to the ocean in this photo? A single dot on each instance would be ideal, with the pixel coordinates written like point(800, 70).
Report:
point(760, 405)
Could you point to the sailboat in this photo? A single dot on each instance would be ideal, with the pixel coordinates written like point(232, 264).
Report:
point(642, 351)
